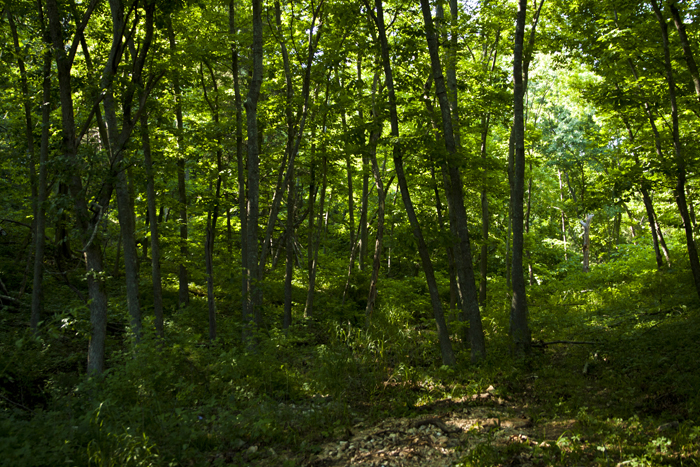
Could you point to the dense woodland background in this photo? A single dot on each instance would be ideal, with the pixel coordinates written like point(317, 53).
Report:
point(213, 210)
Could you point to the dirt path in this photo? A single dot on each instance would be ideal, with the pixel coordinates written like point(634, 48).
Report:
point(440, 436)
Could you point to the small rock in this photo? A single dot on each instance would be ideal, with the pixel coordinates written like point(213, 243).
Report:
point(252, 450)
point(237, 443)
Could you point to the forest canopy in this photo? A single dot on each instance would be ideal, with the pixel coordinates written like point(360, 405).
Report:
point(212, 208)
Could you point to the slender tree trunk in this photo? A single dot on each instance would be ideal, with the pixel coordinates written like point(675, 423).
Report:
point(450, 251)
point(678, 152)
point(483, 267)
point(127, 229)
point(302, 114)
point(685, 45)
point(363, 208)
point(212, 218)
point(381, 200)
point(153, 226)
point(88, 224)
point(351, 194)
point(531, 274)
point(40, 221)
point(463, 259)
point(309, 308)
point(662, 242)
point(311, 219)
point(37, 231)
point(563, 218)
point(253, 273)
point(289, 272)
point(448, 357)
point(652, 223)
point(240, 165)
point(183, 276)
point(519, 329)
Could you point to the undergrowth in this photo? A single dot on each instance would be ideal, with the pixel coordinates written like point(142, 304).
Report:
point(624, 379)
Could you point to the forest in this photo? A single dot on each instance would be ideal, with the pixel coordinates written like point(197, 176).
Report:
point(349, 232)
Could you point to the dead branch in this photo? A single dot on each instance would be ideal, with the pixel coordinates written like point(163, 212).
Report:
point(545, 344)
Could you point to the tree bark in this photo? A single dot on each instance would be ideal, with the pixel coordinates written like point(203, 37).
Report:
point(309, 308)
point(519, 329)
point(289, 270)
point(87, 223)
point(446, 351)
point(153, 226)
point(183, 275)
point(42, 194)
point(685, 45)
point(88, 216)
point(484, 260)
point(463, 258)
point(127, 230)
point(213, 216)
point(364, 205)
point(678, 152)
point(37, 231)
point(253, 275)
point(240, 162)
point(381, 200)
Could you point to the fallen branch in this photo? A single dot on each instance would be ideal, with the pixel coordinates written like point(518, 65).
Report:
point(13, 300)
point(16, 404)
point(545, 344)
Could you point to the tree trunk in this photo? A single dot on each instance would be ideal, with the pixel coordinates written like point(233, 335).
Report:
point(678, 153)
point(519, 329)
point(127, 229)
point(183, 276)
point(293, 151)
point(88, 218)
point(289, 271)
point(240, 163)
point(212, 218)
point(463, 258)
point(531, 274)
point(685, 45)
point(37, 230)
point(662, 242)
point(483, 266)
point(652, 223)
point(253, 275)
point(312, 220)
point(40, 220)
point(87, 223)
point(153, 226)
point(448, 357)
point(309, 308)
point(381, 199)
point(363, 208)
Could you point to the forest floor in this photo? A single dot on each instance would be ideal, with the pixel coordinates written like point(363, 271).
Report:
point(612, 381)
point(545, 421)
point(439, 436)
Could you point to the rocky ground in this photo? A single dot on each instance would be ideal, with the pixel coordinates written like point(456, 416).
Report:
point(438, 437)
